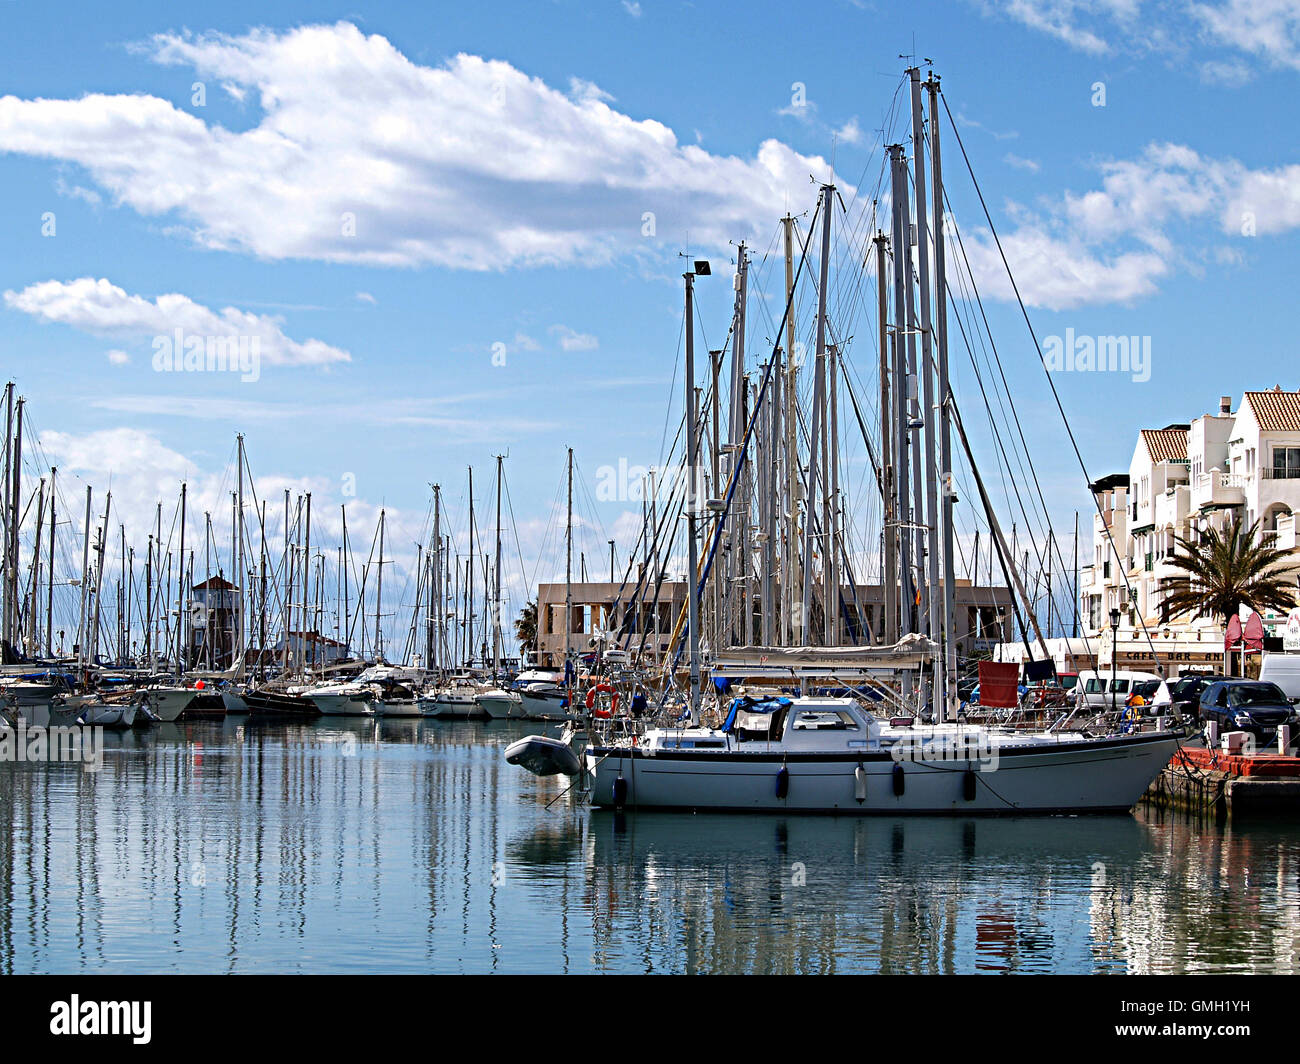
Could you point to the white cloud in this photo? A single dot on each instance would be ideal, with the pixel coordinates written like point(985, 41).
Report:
point(118, 358)
point(850, 132)
point(1021, 163)
point(472, 164)
point(1114, 243)
point(632, 8)
point(102, 308)
point(574, 341)
point(1266, 28)
point(1062, 19)
point(366, 297)
point(525, 342)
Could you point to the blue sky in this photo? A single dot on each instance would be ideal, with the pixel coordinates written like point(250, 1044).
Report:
point(498, 160)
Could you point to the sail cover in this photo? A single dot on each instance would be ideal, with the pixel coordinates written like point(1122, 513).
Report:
point(912, 652)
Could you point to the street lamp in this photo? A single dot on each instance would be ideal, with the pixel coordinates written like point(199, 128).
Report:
point(1114, 653)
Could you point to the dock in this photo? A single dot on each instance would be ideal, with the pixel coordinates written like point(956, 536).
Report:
point(1214, 781)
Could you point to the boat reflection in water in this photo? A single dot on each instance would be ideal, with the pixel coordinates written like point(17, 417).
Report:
point(720, 893)
point(373, 845)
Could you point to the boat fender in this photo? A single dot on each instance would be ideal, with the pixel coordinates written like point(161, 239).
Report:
point(783, 782)
point(899, 783)
point(968, 785)
point(860, 783)
point(620, 792)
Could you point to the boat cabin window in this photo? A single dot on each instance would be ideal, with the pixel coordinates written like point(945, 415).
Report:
point(759, 727)
point(823, 720)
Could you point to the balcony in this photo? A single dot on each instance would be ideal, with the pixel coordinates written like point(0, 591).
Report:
point(1216, 489)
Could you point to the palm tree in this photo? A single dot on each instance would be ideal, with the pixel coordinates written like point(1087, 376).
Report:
point(526, 628)
point(1226, 571)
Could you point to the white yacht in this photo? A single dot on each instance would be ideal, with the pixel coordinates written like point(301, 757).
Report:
point(168, 703)
point(109, 714)
point(829, 755)
point(500, 704)
point(458, 700)
point(545, 700)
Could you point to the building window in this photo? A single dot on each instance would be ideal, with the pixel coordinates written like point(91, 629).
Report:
point(1286, 463)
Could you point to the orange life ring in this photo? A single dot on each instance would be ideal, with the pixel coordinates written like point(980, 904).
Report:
point(602, 688)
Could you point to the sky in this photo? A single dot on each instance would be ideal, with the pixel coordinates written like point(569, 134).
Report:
point(453, 232)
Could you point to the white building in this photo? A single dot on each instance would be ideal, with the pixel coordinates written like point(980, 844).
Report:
point(1183, 479)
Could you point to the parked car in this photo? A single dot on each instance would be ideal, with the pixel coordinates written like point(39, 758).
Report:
point(1252, 706)
point(1186, 692)
point(1097, 692)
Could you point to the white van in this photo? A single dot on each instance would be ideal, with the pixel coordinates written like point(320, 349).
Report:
point(1096, 686)
point(1283, 670)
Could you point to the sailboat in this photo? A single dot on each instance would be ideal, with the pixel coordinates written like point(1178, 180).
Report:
point(807, 750)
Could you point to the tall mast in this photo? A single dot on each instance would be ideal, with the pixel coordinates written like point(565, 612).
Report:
point(568, 581)
point(469, 594)
point(286, 610)
point(833, 544)
point(1074, 628)
point(85, 580)
point(101, 546)
point(889, 529)
point(819, 392)
point(261, 616)
point(181, 663)
point(930, 473)
point(49, 590)
point(692, 500)
point(379, 593)
point(33, 610)
point(903, 514)
point(436, 610)
point(945, 411)
point(772, 503)
point(496, 616)
point(344, 564)
point(308, 626)
point(241, 577)
point(8, 511)
point(739, 607)
point(795, 625)
point(11, 629)
point(766, 492)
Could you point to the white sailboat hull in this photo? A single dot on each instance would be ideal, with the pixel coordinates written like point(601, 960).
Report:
point(109, 716)
point(234, 702)
point(168, 703)
point(1085, 776)
point(501, 705)
point(342, 705)
point(543, 707)
point(397, 708)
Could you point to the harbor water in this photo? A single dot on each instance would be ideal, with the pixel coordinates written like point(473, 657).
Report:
point(410, 846)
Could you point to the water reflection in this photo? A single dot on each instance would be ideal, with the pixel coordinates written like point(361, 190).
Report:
point(409, 846)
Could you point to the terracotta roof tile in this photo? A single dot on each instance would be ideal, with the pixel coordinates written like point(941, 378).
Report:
point(1276, 410)
point(1166, 445)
